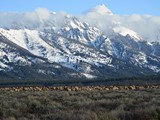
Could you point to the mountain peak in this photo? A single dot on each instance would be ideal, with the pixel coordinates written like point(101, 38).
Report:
point(101, 9)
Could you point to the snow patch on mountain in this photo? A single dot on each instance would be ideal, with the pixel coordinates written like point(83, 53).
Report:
point(125, 31)
point(2, 65)
point(17, 36)
point(89, 76)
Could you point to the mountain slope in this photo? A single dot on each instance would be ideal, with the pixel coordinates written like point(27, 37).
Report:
point(18, 63)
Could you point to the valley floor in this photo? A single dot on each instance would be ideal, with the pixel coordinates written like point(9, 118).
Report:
point(80, 103)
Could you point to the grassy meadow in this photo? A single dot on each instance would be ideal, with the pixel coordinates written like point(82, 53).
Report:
point(138, 104)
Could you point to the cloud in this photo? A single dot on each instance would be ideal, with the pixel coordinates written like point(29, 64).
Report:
point(23, 20)
point(147, 26)
point(37, 19)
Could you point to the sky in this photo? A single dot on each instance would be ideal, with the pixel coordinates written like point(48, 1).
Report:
point(124, 7)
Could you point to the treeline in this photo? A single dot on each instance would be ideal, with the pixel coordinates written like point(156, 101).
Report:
point(143, 80)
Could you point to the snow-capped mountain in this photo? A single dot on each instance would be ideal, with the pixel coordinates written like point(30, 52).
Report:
point(100, 9)
point(60, 46)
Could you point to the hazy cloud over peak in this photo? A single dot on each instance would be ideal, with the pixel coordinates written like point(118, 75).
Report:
point(147, 26)
point(23, 20)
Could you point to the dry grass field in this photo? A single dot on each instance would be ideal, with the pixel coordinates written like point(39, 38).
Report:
point(80, 103)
